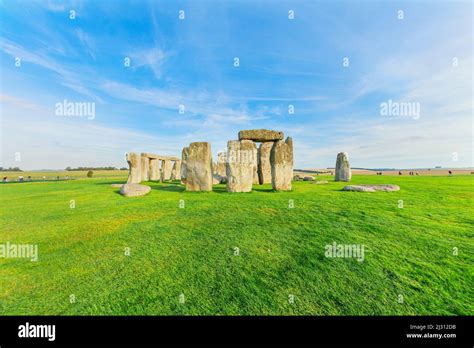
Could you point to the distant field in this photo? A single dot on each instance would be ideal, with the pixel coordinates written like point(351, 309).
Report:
point(183, 261)
point(52, 175)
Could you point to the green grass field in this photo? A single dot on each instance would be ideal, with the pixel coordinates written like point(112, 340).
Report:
point(191, 250)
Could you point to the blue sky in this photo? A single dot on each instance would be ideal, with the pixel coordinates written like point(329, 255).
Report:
point(190, 62)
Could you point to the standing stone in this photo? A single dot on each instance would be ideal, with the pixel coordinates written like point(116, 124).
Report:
point(281, 159)
point(241, 164)
point(135, 168)
point(343, 168)
point(145, 163)
point(221, 164)
point(176, 172)
point(166, 168)
point(264, 166)
point(154, 169)
point(198, 167)
point(184, 159)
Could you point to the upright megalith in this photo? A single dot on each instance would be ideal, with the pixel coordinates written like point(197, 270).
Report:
point(184, 160)
point(166, 168)
point(343, 168)
point(135, 166)
point(154, 172)
point(198, 167)
point(145, 164)
point(221, 164)
point(264, 165)
point(176, 171)
point(260, 135)
point(281, 159)
point(241, 165)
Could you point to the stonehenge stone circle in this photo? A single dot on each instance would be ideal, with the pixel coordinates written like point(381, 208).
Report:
point(146, 166)
point(241, 164)
point(198, 167)
point(343, 168)
point(264, 166)
point(281, 158)
point(260, 135)
point(135, 165)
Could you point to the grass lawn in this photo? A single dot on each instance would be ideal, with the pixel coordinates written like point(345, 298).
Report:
point(190, 251)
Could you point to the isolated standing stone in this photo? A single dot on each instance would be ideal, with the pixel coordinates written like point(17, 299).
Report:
point(199, 167)
point(260, 135)
point(145, 163)
point(154, 169)
point(135, 166)
point(264, 166)
point(343, 168)
point(166, 167)
point(133, 190)
point(241, 164)
point(281, 159)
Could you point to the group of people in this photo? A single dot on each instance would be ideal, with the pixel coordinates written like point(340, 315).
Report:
point(22, 179)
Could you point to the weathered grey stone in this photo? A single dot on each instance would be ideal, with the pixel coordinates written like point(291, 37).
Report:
point(117, 185)
point(135, 168)
point(176, 171)
point(281, 159)
point(264, 165)
point(184, 159)
point(343, 168)
point(308, 178)
point(297, 178)
point(134, 190)
point(320, 182)
point(221, 164)
point(144, 168)
point(217, 179)
point(371, 188)
point(241, 164)
point(159, 157)
point(260, 135)
point(154, 171)
point(166, 168)
point(199, 167)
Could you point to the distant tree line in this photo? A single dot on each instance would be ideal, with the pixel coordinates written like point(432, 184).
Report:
point(69, 169)
point(10, 169)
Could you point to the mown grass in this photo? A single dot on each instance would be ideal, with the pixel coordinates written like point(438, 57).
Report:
point(191, 250)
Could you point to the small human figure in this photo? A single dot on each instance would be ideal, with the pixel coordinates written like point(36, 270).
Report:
point(450, 172)
point(5, 179)
point(20, 178)
point(399, 173)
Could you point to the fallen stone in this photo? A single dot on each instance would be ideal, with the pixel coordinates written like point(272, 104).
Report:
point(260, 135)
point(241, 164)
point(199, 167)
point(281, 158)
point(320, 182)
point(371, 188)
point(343, 168)
point(308, 178)
point(135, 168)
point(117, 185)
point(134, 190)
point(297, 178)
point(264, 165)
